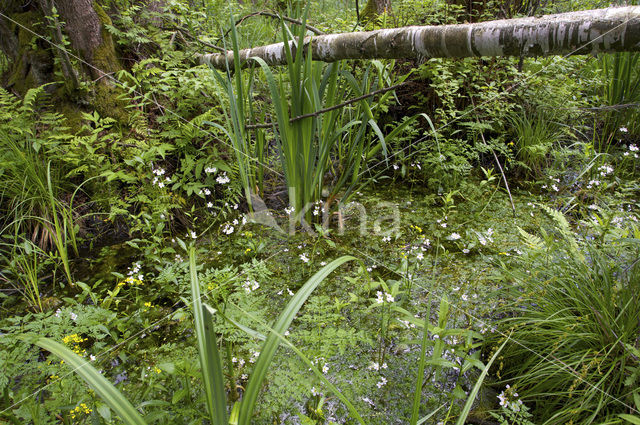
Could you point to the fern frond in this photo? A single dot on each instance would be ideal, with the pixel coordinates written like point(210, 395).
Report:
point(531, 241)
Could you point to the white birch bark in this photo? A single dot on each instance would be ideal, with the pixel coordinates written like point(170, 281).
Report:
point(575, 33)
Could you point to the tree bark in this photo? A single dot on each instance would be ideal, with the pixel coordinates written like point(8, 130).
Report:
point(374, 8)
point(574, 33)
point(85, 24)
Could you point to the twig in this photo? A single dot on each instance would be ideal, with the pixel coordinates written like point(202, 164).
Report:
point(276, 16)
point(331, 108)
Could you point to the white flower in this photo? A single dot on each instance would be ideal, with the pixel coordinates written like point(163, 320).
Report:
point(193, 235)
point(633, 148)
point(380, 297)
point(503, 399)
point(73, 316)
point(209, 204)
point(420, 256)
point(325, 368)
point(389, 298)
point(304, 258)
point(250, 285)
point(289, 210)
point(314, 392)
point(323, 263)
point(92, 358)
point(382, 382)
point(605, 170)
point(374, 366)
point(624, 130)
point(443, 225)
point(454, 236)
point(465, 251)
point(593, 183)
point(386, 239)
point(160, 184)
point(223, 178)
point(227, 228)
point(290, 292)
point(58, 311)
point(207, 191)
point(555, 188)
point(210, 170)
point(395, 166)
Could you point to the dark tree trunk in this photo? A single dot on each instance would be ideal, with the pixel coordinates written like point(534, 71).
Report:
point(84, 22)
point(375, 8)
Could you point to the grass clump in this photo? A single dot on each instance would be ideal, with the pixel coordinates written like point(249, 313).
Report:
point(574, 323)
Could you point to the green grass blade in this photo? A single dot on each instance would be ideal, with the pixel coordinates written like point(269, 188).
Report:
point(210, 363)
point(271, 344)
point(474, 392)
point(105, 389)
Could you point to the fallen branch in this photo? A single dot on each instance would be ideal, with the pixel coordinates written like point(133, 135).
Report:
point(575, 33)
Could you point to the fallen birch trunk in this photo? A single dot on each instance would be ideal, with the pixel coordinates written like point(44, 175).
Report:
point(575, 33)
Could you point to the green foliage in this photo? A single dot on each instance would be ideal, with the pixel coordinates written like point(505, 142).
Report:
point(573, 313)
point(621, 92)
point(534, 138)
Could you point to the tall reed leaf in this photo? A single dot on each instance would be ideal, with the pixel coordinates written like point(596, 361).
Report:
point(210, 363)
point(105, 389)
point(476, 388)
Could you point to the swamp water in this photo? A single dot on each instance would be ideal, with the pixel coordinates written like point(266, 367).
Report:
point(361, 327)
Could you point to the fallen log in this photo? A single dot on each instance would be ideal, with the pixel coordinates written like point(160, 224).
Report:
point(614, 29)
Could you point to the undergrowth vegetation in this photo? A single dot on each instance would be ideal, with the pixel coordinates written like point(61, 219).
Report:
point(367, 241)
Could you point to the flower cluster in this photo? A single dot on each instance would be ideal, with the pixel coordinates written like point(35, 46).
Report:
point(74, 341)
point(593, 183)
point(81, 408)
point(377, 366)
point(223, 178)
point(509, 400)
point(633, 150)
point(605, 170)
point(317, 207)
point(227, 228)
point(157, 180)
point(250, 286)
point(382, 297)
